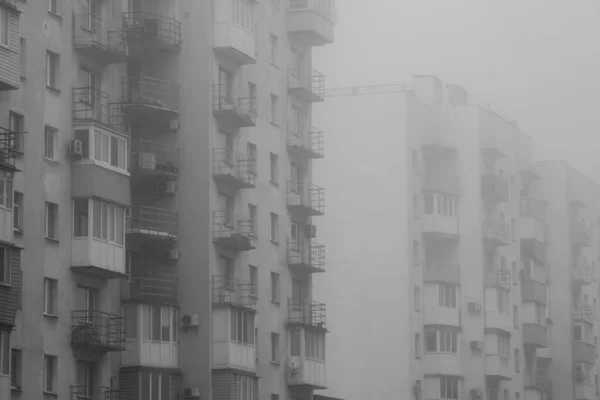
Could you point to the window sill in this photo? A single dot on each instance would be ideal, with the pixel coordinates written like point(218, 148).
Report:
point(54, 15)
point(275, 303)
point(52, 240)
point(274, 65)
point(19, 153)
point(18, 231)
point(51, 316)
point(274, 183)
point(51, 161)
point(53, 394)
point(275, 363)
point(22, 78)
point(53, 90)
point(274, 124)
point(4, 284)
point(274, 242)
point(16, 389)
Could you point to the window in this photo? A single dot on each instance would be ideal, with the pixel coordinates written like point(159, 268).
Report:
point(448, 387)
point(108, 149)
point(274, 287)
point(253, 280)
point(245, 387)
point(22, 57)
point(227, 271)
point(274, 47)
point(242, 327)
point(540, 314)
point(49, 142)
point(275, 347)
point(506, 395)
point(6, 190)
point(86, 374)
point(440, 341)
point(274, 163)
point(274, 397)
point(513, 229)
point(155, 386)
point(503, 296)
point(418, 346)
point(517, 361)
point(274, 228)
point(50, 292)
point(243, 14)
point(16, 124)
point(274, 109)
point(4, 352)
point(447, 295)
point(18, 213)
point(108, 221)
point(53, 6)
point(314, 344)
point(252, 96)
point(416, 253)
point(251, 150)
point(515, 276)
point(252, 217)
point(504, 350)
point(516, 317)
point(417, 298)
point(50, 373)
point(51, 220)
point(158, 324)
point(5, 266)
point(15, 368)
point(130, 317)
point(52, 69)
point(4, 27)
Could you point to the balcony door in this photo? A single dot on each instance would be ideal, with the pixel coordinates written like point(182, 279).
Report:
point(94, 11)
point(225, 89)
point(86, 372)
point(227, 271)
point(299, 293)
point(297, 180)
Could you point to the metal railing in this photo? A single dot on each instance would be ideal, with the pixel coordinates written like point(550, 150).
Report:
point(305, 253)
point(222, 100)
point(146, 27)
point(91, 30)
point(580, 233)
point(156, 157)
point(311, 141)
point(144, 90)
point(312, 197)
point(92, 104)
point(97, 328)
point(314, 84)
point(324, 8)
point(228, 290)
point(582, 272)
point(499, 231)
point(153, 219)
point(538, 379)
point(8, 148)
point(583, 313)
point(226, 224)
point(153, 286)
point(534, 207)
point(305, 312)
point(239, 166)
point(499, 278)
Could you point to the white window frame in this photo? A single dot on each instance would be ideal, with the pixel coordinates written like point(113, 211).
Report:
point(314, 345)
point(447, 295)
point(242, 334)
point(147, 323)
point(50, 296)
point(245, 387)
point(104, 157)
point(242, 15)
point(449, 387)
point(51, 362)
point(52, 69)
point(108, 221)
point(274, 109)
point(51, 219)
point(6, 267)
point(503, 299)
point(50, 134)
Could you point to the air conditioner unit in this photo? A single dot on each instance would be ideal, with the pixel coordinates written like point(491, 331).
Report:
point(168, 187)
point(172, 255)
point(174, 125)
point(190, 320)
point(191, 392)
point(76, 148)
point(474, 306)
point(476, 393)
point(476, 345)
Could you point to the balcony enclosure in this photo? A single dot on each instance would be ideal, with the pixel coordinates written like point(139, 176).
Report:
point(8, 149)
point(494, 188)
point(441, 304)
point(495, 233)
point(10, 53)
point(97, 331)
point(583, 274)
point(231, 232)
point(306, 86)
point(145, 97)
point(148, 286)
point(151, 32)
point(305, 145)
point(234, 27)
point(153, 222)
point(583, 314)
point(229, 291)
point(538, 379)
point(230, 112)
point(307, 359)
point(311, 22)
point(581, 235)
point(305, 200)
point(233, 171)
point(234, 344)
point(154, 160)
point(440, 217)
point(99, 39)
point(304, 255)
point(443, 272)
point(498, 367)
point(442, 183)
point(98, 247)
point(534, 208)
point(93, 106)
point(535, 331)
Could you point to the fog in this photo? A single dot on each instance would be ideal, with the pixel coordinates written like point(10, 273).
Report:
point(533, 61)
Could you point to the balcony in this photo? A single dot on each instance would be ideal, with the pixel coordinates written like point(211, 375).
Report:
point(435, 313)
point(97, 257)
point(442, 364)
point(95, 39)
point(84, 392)
point(535, 208)
point(10, 55)
point(305, 255)
point(584, 387)
point(498, 278)
point(234, 40)
point(154, 160)
point(584, 352)
point(93, 106)
point(230, 113)
point(442, 273)
point(494, 188)
point(533, 248)
point(232, 292)
point(583, 314)
point(440, 228)
point(497, 367)
point(304, 202)
point(153, 223)
point(581, 235)
point(150, 32)
point(97, 331)
point(233, 173)
point(309, 314)
point(231, 233)
point(533, 290)
point(310, 89)
point(144, 97)
point(8, 149)
point(538, 379)
point(535, 335)
point(160, 288)
point(437, 182)
point(583, 275)
point(306, 372)
point(307, 145)
point(495, 234)
point(311, 22)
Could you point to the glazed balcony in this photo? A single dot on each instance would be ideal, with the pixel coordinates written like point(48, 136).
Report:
point(229, 291)
point(494, 188)
point(435, 313)
point(538, 379)
point(583, 275)
point(311, 22)
point(93, 106)
point(584, 388)
point(535, 208)
point(10, 54)
point(150, 32)
point(584, 352)
point(233, 171)
point(97, 331)
point(581, 235)
point(305, 202)
point(98, 40)
point(442, 273)
point(533, 291)
point(153, 222)
point(498, 367)
point(84, 392)
point(535, 335)
point(583, 314)
point(233, 233)
point(154, 160)
point(305, 256)
point(230, 113)
point(306, 87)
point(533, 248)
point(160, 288)
point(495, 233)
point(435, 363)
point(436, 182)
point(308, 314)
point(439, 228)
point(234, 40)
point(307, 145)
point(8, 149)
point(144, 97)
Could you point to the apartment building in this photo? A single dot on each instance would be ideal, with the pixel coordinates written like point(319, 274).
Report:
point(157, 181)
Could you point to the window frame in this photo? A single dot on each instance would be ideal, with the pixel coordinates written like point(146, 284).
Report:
point(51, 220)
point(447, 295)
point(16, 124)
point(5, 267)
point(275, 346)
point(18, 198)
point(274, 228)
point(52, 69)
point(110, 216)
point(50, 297)
point(275, 288)
point(274, 168)
point(449, 387)
point(53, 6)
point(274, 110)
point(242, 329)
point(4, 28)
point(50, 362)
point(5, 352)
point(50, 134)
point(274, 50)
point(16, 369)
point(97, 149)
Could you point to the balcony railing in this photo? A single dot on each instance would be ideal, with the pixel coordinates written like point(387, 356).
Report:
point(155, 157)
point(311, 89)
point(583, 313)
point(442, 272)
point(85, 392)
point(238, 113)
point(441, 183)
point(308, 201)
point(538, 379)
point(323, 8)
point(232, 232)
point(158, 222)
point(583, 274)
point(153, 32)
point(93, 329)
point(93, 105)
point(581, 234)
point(235, 170)
point(494, 188)
point(150, 92)
point(230, 291)
point(152, 287)
point(308, 145)
point(94, 37)
point(500, 278)
point(305, 255)
point(8, 149)
point(534, 207)
point(496, 233)
point(304, 312)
